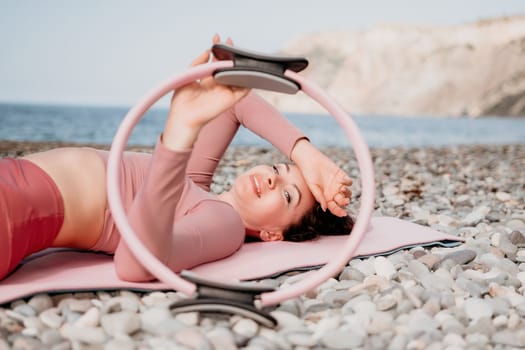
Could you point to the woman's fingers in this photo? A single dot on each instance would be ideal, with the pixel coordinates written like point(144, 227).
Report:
point(201, 59)
point(336, 209)
point(318, 195)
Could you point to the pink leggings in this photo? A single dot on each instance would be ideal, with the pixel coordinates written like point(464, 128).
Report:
point(31, 212)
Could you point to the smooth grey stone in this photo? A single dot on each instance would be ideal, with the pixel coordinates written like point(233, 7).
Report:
point(405, 306)
point(420, 321)
point(342, 339)
point(291, 306)
point(33, 322)
point(447, 300)
point(460, 257)
point(124, 303)
point(167, 328)
point(221, 338)
point(476, 308)
point(398, 342)
point(364, 307)
point(89, 319)
point(517, 238)
point(438, 282)
point(120, 344)
point(470, 287)
point(336, 298)
point(476, 216)
point(193, 338)
point(188, 318)
point(152, 319)
point(477, 340)
point(515, 224)
point(482, 325)
point(51, 337)
point(301, 338)
point(452, 325)
point(246, 328)
point(40, 302)
point(507, 247)
point(51, 318)
point(500, 305)
point(314, 305)
point(326, 324)
point(259, 343)
point(494, 217)
point(350, 273)
point(278, 339)
point(520, 309)
point(509, 338)
point(25, 310)
point(430, 260)
point(91, 335)
point(123, 322)
point(418, 269)
point(70, 316)
point(432, 305)
point(386, 302)
point(73, 304)
point(27, 343)
point(287, 320)
point(383, 267)
point(380, 322)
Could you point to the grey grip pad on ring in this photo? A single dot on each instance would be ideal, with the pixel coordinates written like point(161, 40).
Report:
point(257, 80)
point(258, 71)
point(229, 298)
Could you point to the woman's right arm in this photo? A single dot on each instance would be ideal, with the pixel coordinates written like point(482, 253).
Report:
point(254, 113)
point(153, 209)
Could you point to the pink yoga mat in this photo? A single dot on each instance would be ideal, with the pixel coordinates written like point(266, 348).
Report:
point(67, 270)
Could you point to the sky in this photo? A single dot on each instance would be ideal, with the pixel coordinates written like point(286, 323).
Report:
point(111, 52)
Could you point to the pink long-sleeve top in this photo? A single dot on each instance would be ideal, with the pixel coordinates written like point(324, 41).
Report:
point(168, 192)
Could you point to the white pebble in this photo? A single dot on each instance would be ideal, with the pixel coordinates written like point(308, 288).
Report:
point(454, 339)
point(383, 267)
point(153, 319)
point(188, 318)
point(90, 319)
point(51, 318)
point(88, 335)
point(41, 302)
point(123, 322)
point(503, 196)
point(119, 344)
point(286, 319)
point(246, 328)
point(342, 339)
point(476, 308)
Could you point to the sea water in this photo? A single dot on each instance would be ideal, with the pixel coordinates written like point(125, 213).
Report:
point(97, 125)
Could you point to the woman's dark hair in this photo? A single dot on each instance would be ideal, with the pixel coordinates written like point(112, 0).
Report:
point(317, 223)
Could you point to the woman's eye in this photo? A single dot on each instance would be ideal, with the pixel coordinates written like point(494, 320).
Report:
point(275, 170)
point(287, 196)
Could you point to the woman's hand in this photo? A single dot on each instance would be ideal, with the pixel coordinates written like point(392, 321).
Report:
point(195, 104)
point(329, 183)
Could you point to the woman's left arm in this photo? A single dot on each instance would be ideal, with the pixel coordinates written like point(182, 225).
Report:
point(327, 181)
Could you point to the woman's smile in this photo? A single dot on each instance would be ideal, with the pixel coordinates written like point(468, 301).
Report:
point(256, 185)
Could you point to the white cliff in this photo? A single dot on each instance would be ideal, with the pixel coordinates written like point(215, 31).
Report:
point(472, 69)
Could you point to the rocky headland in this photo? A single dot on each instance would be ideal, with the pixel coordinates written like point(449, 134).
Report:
point(474, 69)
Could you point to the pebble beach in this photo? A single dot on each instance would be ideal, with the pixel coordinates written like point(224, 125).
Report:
point(468, 297)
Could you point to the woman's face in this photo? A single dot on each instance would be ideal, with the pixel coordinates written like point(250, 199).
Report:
point(271, 198)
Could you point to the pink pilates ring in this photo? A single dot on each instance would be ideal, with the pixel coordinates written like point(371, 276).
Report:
point(166, 275)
